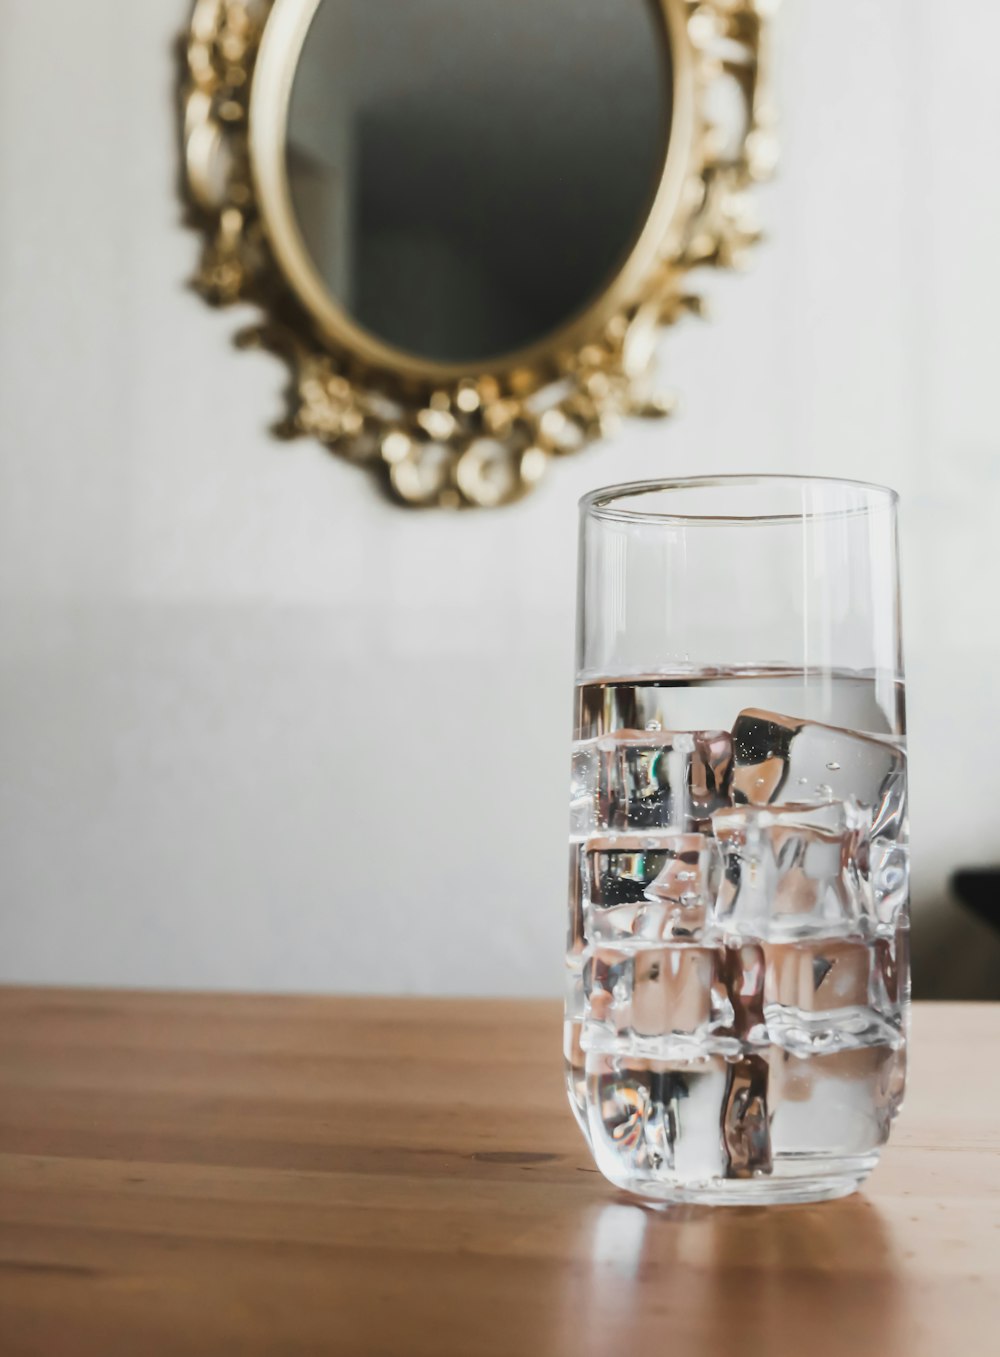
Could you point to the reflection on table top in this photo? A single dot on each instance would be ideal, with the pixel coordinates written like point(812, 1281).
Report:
point(209, 1174)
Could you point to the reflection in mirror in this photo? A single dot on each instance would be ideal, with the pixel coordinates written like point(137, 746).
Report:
point(469, 176)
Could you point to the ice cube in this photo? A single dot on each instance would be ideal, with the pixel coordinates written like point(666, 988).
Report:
point(574, 999)
point(793, 870)
point(889, 809)
point(745, 1119)
point(837, 1104)
point(641, 779)
point(655, 1000)
point(890, 879)
point(818, 976)
point(832, 994)
point(890, 980)
point(656, 887)
point(743, 970)
point(656, 1121)
point(785, 758)
point(582, 786)
point(575, 931)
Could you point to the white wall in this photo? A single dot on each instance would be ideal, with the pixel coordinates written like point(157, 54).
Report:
point(260, 728)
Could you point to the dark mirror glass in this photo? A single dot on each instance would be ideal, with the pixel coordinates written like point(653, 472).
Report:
point(468, 175)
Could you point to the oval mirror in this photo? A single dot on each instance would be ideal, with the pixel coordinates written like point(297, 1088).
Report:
point(467, 221)
point(466, 178)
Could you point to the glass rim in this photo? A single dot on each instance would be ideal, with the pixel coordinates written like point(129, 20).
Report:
point(603, 503)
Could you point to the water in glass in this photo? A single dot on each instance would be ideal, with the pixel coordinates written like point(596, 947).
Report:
point(737, 960)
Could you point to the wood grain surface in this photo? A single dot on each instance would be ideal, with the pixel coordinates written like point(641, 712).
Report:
point(241, 1175)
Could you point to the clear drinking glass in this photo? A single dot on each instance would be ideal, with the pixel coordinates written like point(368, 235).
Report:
point(738, 974)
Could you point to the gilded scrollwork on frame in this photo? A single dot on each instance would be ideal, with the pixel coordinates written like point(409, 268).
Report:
point(479, 439)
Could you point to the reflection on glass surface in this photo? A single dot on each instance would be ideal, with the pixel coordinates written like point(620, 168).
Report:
point(619, 1236)
point(467, 176)
point(707, 1282)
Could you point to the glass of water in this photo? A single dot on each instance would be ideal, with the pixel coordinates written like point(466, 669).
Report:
point(737, 959)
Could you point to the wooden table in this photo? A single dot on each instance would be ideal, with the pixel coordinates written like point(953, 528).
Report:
point(230, 1175)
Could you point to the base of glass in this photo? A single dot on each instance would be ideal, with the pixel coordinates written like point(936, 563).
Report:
point(793, 1181)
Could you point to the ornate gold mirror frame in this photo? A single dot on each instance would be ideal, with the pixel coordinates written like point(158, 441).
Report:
point(459, 435)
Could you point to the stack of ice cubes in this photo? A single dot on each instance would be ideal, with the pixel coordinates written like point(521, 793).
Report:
point(738, 948)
